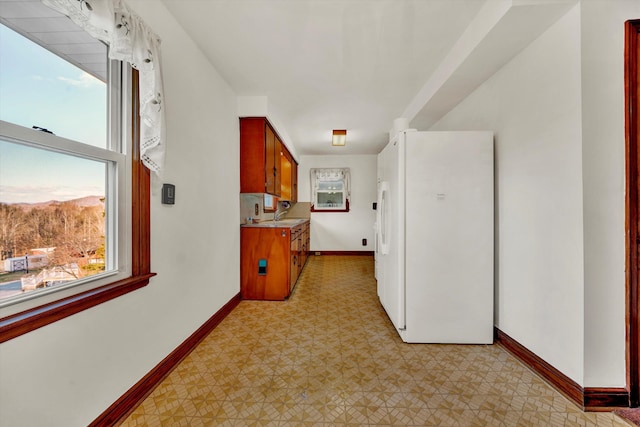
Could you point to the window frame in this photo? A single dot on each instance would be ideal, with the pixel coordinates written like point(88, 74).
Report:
point(18, 324)
point(345, 194)
point(338, 207)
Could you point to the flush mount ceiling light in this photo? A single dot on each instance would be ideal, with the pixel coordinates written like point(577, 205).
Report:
point(339, 137)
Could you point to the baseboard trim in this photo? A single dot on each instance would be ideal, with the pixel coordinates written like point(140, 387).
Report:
point(588, 398)
point(557, 379)
point(125, 405)
point(363, 253)
point(605, 398)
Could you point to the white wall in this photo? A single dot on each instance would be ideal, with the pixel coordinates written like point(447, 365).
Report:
point(332, 231)
point(68, 373)
point(604, 186)
point(533, 104)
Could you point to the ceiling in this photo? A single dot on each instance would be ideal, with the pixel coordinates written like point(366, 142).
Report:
point(327, 64)
point(332, 64)
point(359, 64)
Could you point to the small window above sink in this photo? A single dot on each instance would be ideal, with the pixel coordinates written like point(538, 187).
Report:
point(270, 203)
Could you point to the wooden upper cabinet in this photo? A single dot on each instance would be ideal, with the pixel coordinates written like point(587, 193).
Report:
point(266, 166)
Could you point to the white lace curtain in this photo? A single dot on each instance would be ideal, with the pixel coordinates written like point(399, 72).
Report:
point(330, 174)
point(132, 41)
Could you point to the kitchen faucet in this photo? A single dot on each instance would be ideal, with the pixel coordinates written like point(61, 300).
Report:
point(278, 213)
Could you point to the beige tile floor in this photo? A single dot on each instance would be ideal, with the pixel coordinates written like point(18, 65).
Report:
point(329, 356)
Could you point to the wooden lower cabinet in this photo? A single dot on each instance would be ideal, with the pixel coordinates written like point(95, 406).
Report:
point(271, 260)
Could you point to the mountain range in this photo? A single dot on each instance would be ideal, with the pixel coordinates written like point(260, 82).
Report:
point(80, 202)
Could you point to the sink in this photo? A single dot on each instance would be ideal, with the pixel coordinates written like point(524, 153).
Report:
point(281, 223)
point(291, 221)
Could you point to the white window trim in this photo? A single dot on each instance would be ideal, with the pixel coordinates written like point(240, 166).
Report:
point(118, 197)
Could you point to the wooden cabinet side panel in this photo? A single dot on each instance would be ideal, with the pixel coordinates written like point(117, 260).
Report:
point(269, 244)
point(252, 155)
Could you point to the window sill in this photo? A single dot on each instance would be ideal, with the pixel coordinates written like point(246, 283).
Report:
point(21, 323)
point(345, 209)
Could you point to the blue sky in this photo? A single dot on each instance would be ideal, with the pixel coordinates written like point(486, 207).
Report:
point(39, 88)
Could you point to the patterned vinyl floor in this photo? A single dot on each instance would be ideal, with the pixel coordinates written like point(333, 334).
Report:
point(329, 356)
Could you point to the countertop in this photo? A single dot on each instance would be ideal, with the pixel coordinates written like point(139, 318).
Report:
point(283, 223)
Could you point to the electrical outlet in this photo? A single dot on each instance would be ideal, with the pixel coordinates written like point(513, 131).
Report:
point(364, 242)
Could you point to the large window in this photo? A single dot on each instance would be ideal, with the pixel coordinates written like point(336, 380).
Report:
point(73, 194)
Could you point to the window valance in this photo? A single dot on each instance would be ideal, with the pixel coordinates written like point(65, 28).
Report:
point(132, 41)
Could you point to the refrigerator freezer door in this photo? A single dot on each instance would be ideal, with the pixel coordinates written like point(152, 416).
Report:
point(390, 272)
point(394, 302)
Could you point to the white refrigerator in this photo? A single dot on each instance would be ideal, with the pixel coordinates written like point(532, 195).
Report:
point(435, 238)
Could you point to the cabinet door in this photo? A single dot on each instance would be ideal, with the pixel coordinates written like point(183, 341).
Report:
point(294, 181)
point(305, 247)
point(270, 162)
point(301, 248)
point(252, 155)
point(285, 175)
point(295, 260)
point(277, 154)
point(307, 239)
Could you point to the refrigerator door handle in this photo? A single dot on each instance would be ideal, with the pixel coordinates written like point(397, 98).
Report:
point(383, 220)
